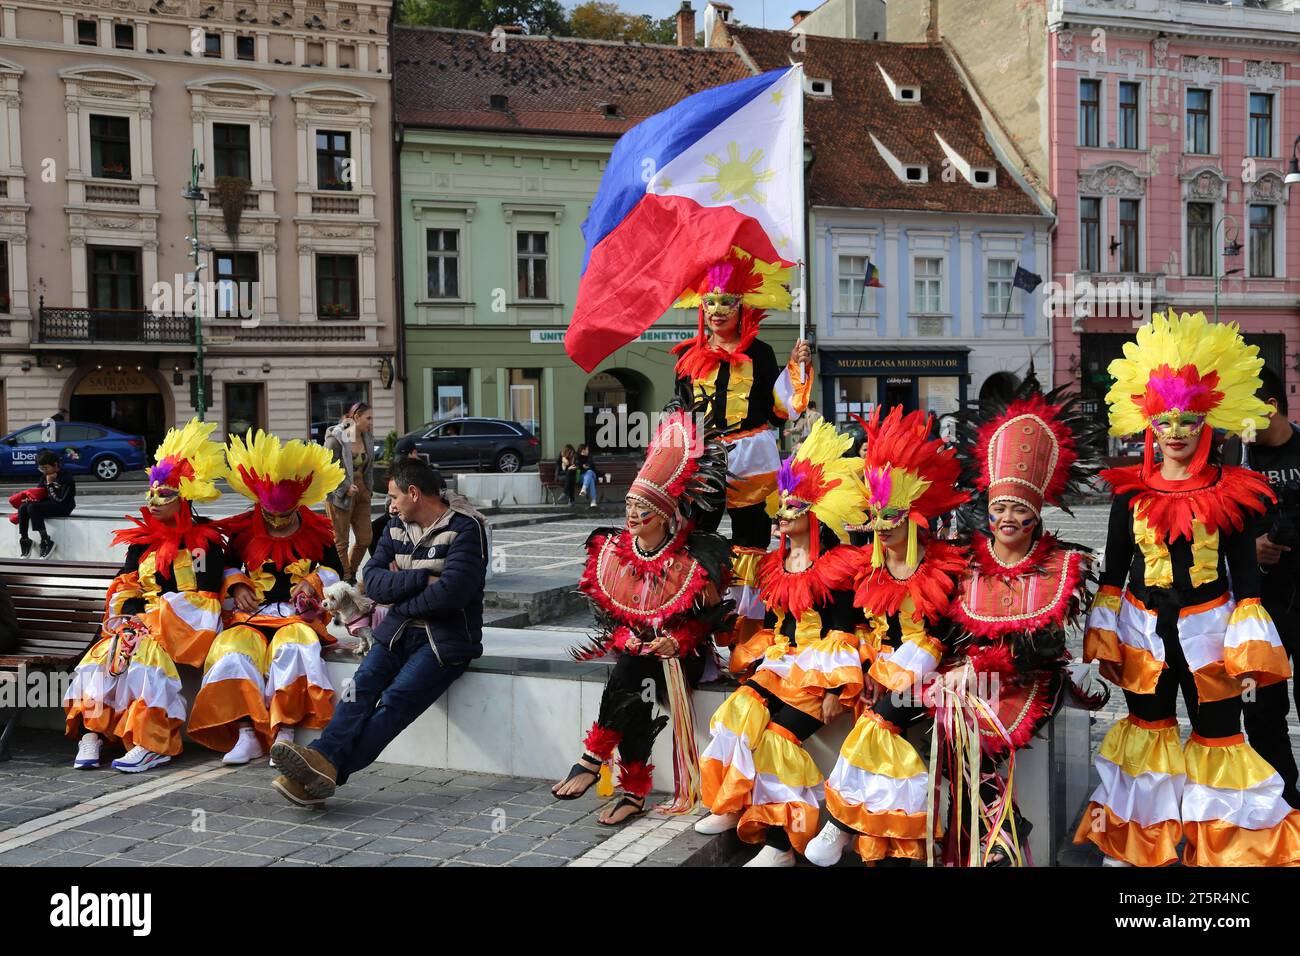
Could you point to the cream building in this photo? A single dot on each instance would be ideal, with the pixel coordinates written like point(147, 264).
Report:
point(286, 104)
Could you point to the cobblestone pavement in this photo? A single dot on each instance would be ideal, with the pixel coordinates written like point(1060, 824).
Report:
point(195, 812)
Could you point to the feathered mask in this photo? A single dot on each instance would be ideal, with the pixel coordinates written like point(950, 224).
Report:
point(818, 478)
point(1186, 372)
point(909, 476)
point(281, 477)
point(187, 464)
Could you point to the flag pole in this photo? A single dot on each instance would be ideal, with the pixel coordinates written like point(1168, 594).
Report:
point(803, 216)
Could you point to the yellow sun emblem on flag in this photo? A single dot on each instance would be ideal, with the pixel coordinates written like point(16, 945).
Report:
point(737, 178)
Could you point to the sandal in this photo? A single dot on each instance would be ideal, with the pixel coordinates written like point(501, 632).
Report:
point(626, 800)
point(576, 769)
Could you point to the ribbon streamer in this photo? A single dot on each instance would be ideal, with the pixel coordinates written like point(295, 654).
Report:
point(686, 759)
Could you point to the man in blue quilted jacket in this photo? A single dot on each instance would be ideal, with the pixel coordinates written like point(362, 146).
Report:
point(428, 568)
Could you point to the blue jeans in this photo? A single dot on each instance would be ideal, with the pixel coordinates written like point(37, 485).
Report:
point(390, 689)
point(589, 484)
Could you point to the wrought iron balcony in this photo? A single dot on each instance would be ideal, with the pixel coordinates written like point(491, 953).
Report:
point(112, 327)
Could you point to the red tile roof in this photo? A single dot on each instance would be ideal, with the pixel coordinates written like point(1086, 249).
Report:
point(848, 170)
point(444, 78)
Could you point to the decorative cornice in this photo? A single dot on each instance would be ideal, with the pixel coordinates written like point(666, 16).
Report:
point(1113, 179)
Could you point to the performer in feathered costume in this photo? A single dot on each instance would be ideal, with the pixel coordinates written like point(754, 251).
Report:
point(264, 675)
point(161, 610)
point(876, 795)
point(748, 396)
point(1009, 671)
point(655, 588)
point(1179, 607)
point(757, 776)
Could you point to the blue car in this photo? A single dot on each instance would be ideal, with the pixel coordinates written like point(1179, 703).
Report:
point(87, 449)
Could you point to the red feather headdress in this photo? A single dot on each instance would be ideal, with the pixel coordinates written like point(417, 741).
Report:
point(164, 541)
point(254, 544)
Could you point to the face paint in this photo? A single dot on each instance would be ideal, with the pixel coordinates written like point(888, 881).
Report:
point(1176, 424)
point(1028, 522)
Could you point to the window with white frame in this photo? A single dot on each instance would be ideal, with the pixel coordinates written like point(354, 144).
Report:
point(852, 291)
point(1200, 245)
point(998, 286)
point(1198, 121)
point(443, 263)
point(927, 284)
point(1130, 128)
point(1260, 136)
point(531, 259)
point(1089, 234)
point(1263, 242)
point(1130, 250)
point(1090, 112)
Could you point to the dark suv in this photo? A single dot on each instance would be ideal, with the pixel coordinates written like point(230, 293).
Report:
point(491, 444)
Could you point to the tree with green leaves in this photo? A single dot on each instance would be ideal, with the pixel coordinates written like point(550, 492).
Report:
point(535, 16)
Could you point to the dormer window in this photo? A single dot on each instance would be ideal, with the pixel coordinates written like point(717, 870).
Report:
point(609, 110)
point(981, 177)
point(497, 101)
point(818, 87)
point(903, 92)
point(915, 174)
point(911, 173)
point(984, 178)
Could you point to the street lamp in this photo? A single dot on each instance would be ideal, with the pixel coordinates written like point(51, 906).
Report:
point(1293, 169)
point(1231, 248)
point(194, 195)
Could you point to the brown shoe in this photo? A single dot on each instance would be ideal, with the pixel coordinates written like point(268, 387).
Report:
point(293, 791)
point(305, 766)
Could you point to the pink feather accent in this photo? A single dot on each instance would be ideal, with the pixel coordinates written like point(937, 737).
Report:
point(879, 485)
point(718, 276)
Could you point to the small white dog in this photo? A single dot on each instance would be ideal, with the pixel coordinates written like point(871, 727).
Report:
point(356, 612)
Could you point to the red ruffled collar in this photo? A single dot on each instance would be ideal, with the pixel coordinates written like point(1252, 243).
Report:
point(696, 578)
point(255, 545)
point(800, 591)
point(988, 564)
point(930, 586)
point(1171, 507)
point(163, 540)
point(698, 359)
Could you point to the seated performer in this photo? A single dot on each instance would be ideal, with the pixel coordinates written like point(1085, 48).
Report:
point(429, 569)
point(161, 610)
point(1020, 593)
point(1179, 608)
point(654, 587)
point(263, 675)
point(877, 794)
point(758, 778)
point(748, 396)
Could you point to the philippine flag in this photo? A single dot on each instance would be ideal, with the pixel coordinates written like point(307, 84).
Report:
point(722, 168)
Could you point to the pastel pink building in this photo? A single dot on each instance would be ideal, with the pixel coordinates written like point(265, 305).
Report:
point(1171, 126)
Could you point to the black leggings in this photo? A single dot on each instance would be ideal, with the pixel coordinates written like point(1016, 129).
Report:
point(35, 513)
point(628, 703)
point(1265, 716)
point(798, 723)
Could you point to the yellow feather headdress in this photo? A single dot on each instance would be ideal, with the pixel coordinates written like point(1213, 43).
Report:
point(818, 478)
point(281, 476)
point(189, 462)
point(1189, 364)
point(760, 285)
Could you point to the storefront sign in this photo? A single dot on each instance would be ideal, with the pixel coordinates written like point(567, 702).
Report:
point(667, 336)
point(109, 381)
point(893, 363)
point(898, 381)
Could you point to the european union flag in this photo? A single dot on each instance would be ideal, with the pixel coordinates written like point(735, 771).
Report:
point(1026, 280)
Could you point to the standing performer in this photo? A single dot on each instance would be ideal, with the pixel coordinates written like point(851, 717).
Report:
point(161, 610)
point(654, 587)
point(876, 795)
point(264, 675)
point(748, 397)
point(1179, 608)
point(1007, 673)
point(758, 778)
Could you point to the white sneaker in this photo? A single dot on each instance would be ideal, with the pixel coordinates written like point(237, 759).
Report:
point(246, 748)
point(88, 752)
point(138, 760)
point(1111, 861)
point(282, 736)
point(771, 856)
point(716, 823)
point(826, 848)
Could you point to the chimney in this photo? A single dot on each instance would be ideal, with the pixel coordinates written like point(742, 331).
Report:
point(932, 26)
point(686, 24)
point(797, 17)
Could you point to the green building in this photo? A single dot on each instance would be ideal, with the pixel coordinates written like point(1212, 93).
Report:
point(502, 142)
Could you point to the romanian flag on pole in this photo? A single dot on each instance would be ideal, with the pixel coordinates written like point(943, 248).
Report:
point(722, 168)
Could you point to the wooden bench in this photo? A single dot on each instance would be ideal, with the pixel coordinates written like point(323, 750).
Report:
point(552, 488)
point(59, 606)
point(616, 472)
